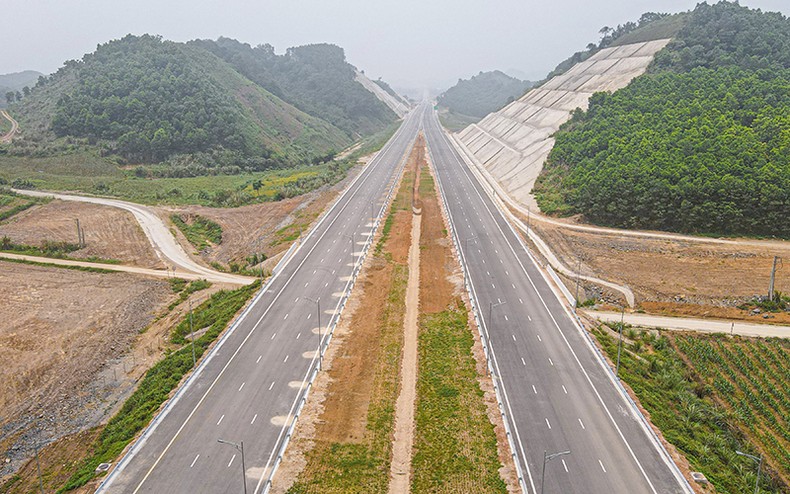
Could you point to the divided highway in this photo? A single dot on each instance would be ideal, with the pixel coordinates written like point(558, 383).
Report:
point(556, 393)
point(257, 375)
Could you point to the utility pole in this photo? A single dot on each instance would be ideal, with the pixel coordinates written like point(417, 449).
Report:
point(38, 467)
point(620, 342)
point(192, 334)
point(80, 234)
point(777, 260)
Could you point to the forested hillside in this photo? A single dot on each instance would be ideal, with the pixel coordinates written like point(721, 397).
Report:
point(701, 143)
point(149, 100)
point(314, 78)
point(482, 94)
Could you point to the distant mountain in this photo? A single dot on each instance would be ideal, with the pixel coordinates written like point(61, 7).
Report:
point(16, 82)
point(316, 78)
point(482, 94)
point(148, 100)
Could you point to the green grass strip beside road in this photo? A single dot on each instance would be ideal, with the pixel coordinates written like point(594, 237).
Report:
point(159, 381)
point(62, 266)
point(455, 446)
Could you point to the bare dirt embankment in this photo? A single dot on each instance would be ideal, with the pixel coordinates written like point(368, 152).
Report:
point(673, 277)
point(110, 233)
point(59, 329)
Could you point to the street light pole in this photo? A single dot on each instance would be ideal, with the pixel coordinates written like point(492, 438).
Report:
point(239, 447)
point(317, 302)
point(547, 458)
point(759, 461)
point(578, 275)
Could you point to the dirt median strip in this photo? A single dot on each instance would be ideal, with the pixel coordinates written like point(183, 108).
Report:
point(343, 440)
point(403, 438)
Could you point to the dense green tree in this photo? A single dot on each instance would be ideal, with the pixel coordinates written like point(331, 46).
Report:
point(699, 144)
point(482, 94)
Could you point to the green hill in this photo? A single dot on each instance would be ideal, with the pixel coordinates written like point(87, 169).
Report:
point(698, 144)
point(314, 78)
point(482, 94)
point(147, 101)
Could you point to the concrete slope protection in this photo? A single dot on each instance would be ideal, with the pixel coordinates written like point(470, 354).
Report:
point(556, 392)
point(252, 384)
point(399, 107)
point(514, 142)
point(158, 234)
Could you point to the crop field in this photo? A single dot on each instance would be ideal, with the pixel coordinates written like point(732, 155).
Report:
point(711, 395)
point(751, 377)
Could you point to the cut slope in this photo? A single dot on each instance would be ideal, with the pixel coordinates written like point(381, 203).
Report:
point(394, 104)
point(514, 142)
point(697, 145)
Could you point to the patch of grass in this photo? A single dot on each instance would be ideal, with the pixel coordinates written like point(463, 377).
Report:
point(201, 232)
point(455, 446)
point(55, 250)
point(61, 266)
point(186, 290)
point(158, 382)
point(711, 396)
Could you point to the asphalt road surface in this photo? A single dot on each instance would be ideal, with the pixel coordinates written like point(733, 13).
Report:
point(557, 395)
point(256, 375)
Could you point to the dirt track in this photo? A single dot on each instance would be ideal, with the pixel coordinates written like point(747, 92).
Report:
point(7, 137)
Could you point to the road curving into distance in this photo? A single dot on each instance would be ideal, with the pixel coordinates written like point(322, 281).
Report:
point(162, 240)
point(8, 136)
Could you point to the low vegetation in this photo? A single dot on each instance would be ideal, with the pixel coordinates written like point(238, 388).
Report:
point(200, 232)
point(455, 448)
point(696, 145)
point(87, 269)
point(711, 396)
point(159, 381)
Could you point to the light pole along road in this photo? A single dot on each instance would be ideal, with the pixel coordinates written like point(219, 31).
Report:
point(556, 393)
point(250, 385)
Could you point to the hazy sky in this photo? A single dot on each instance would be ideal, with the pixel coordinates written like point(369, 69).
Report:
point(411, 43)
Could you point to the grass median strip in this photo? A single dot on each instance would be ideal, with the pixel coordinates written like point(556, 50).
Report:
point(455, 443)
point(455, 446)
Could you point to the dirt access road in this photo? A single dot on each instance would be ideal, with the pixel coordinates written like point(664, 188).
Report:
point(158, 234)
point(6, 138)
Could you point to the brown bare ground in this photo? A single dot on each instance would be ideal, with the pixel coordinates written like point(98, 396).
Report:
point(110, 233)
point(62, 332)
point(672, 271)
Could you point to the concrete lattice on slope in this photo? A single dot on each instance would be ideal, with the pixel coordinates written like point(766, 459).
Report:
point(513, 143)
